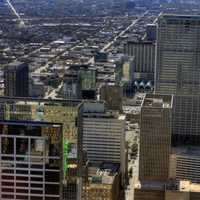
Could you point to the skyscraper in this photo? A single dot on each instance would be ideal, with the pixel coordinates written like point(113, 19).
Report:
point(103, 134)
point(177, 69)
point(155, 137)
point(178, 72)
point(143, 53)
point(31, 160)
point(170, 137)
point(16, 80)
point(177, 57)
point(63, 112)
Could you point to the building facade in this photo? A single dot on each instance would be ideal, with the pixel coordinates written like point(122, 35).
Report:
point(30, 160)
point(103, 183)
point(155, 137)
point(177, 72)
point(53, 111)
point(112, 95)
point(143, 53)
point(103, 135)
point(16, 80)
point(184, 164)
point(177, 55)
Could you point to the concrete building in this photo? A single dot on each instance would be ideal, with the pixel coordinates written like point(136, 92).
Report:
point(112, 95)
point(127, 69)
point(103, 182)
point(177, 55)
point(16, 80)
point(36, 88)
point(143, 53)
point(71, 86)
point(184, 164)
point(155, 137)
point(31, 160)
point(180, 190)
point(87, 81)
point(177, 71)
point(103, 134)
point(53, 111)
point(186, 120)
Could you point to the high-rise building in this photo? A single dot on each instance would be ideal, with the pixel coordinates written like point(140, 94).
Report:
point(31, 160)
point(178, 72)
point(143, 53)
point(103, 134)
point(184, 164)
point(71, 88)
point(87, 81)
point(186, 120)
point(177, 55)
point(155, 137)
point(16, 80)
point(51, 111)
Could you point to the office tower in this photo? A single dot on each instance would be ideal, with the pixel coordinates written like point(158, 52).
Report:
point(112, 95)
point(87, 81)
point(71, 88)
point(103, 136)
point(54, 111)
point(31, 163)
point(177, 72)
point(143, 53)
point(186, 120)
point(16, 80)
point(155, 137)
point(184, 164)
point(178, 58)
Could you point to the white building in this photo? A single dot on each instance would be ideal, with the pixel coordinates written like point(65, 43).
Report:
point(103, 134)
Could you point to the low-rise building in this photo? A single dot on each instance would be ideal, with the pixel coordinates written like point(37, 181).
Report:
point(103, 182)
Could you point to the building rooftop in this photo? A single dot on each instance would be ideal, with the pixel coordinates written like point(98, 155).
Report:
point(179, 17)
point(153, 185)
point(158, 101)
point(141, 42)
point(187, 151)
point(15, 65)
point(181, 186)
point(187, 186)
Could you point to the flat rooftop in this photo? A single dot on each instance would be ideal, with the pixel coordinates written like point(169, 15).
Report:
point(187, 151)
point(181, 186)
point(187, 186)
point(150, 185)
point(15, 65)
point(157, 101)
point(179, 17)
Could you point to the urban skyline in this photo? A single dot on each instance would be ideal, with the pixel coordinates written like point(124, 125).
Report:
point(99, 100)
